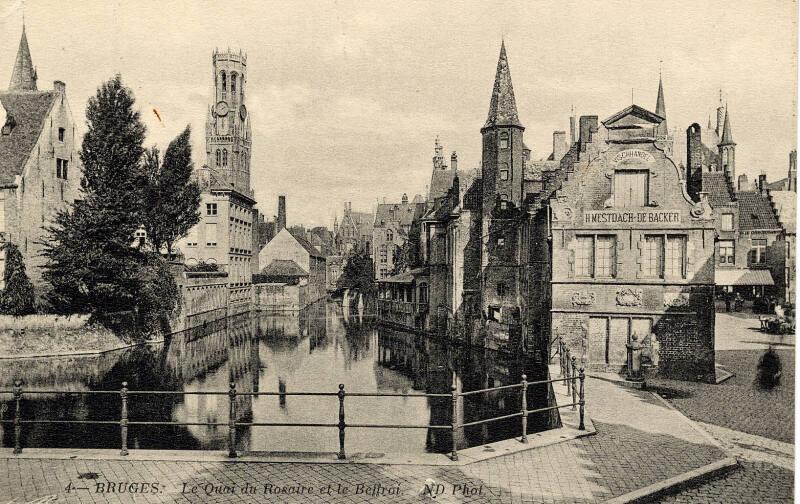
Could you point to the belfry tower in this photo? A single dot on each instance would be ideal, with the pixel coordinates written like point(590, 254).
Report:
point(228, 133)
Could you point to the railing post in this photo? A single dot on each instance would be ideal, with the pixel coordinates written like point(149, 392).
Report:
point(567, 381)
point(123, 418)
point(524, 409)
point(574, 383)
point(582, 377)
point(17, 417)
point(342, 424)
point(454, 420)
point(561, 356)
point(232, 421)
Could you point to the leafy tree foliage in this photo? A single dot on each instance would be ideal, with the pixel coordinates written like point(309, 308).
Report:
point(357, 273)
point(407, 256)
point(171, 197)
point(92, 266)
point(17, 296)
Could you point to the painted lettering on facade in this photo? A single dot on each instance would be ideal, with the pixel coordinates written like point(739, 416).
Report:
point(633, 154)
point(632, 217)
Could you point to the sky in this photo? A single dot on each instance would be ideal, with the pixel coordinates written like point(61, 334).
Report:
point(346, 98)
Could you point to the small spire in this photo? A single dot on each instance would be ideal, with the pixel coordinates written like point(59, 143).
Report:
point(660, 108)
point(503, 105)
point(23, 77)
point(727, 135)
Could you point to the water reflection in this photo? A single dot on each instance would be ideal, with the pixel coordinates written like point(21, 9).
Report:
point(313, 351)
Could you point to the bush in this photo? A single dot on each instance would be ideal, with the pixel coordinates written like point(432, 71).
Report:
point(17, 297)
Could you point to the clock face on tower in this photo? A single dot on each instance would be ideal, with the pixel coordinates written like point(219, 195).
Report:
point(242, 112)
point(221, 109)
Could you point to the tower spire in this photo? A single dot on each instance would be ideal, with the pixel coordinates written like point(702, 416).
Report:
point(660, 108)
point(23, 77)
point(503, 105)
point(727, 135)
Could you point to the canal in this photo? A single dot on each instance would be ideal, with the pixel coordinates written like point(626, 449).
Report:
point(314, 350)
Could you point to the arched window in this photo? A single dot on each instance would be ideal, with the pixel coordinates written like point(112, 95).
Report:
point(504, 140)
point(224, 157)
point(219, 158)
point(233, 82)
point(389, 235)
point(223, 81)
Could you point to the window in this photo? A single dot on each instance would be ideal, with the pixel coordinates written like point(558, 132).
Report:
point(675, 257)
point(211, 209)
point(211, 235)
point(503, 174)
point(61, 168)
point(651, 256)
point(494, 313)
point(606, 256)
point(727, 222)
point(224, 157)
point(384, 254)
point(233, 82)
point(595, 256)
point(224, 82)
point(61, 132)
point(504, 140)
point(503, 201)
point(384, 272)
point(501, 289)
point(584, 256)
point(191, 238)
point(758, 251)
point(389, 235)
point(631, 188)
point(501, 242)
point(727, 252)
point(219, 158)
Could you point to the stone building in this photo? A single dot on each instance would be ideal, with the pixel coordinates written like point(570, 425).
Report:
point(750, 246)
point(354, 232)
point(40, 166)
point(225, 235)
point(390, 231)
point(287, 246)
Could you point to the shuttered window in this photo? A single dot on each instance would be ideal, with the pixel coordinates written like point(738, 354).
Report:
point(630, 188)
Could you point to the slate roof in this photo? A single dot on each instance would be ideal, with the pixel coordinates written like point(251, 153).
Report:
point(283, 268)
point(716, 185)
point(727, 135)
point(23, 77)
point(404, 214)
point(29, 110)
point(778, 185)
point(311, 249)
point(503, 105)
point(755, 212)
point(441, 182)
point(786, 206)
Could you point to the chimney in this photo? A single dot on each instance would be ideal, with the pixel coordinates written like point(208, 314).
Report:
point(588, 125)
point(792, 182)
point(742, 184)
point(281, 212)
point(60, 87)
point(572, 137)
point(762, 183)
point(559, 145)
point(404, 200)
point(454, 161)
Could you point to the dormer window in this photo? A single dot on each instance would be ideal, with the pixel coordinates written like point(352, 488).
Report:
point(504, 140)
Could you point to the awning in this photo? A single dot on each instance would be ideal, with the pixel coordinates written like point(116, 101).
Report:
point(743, 276)
point(406, 277)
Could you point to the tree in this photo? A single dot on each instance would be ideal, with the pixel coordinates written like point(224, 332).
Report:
point(357, 273)
point(407, 256)
point(17, 296)
point(92, 266)
point(172, 197)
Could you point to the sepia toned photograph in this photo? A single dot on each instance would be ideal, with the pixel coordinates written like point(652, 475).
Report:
point(330, 251)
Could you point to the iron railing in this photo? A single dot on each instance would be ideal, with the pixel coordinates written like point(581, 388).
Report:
point(578, 400)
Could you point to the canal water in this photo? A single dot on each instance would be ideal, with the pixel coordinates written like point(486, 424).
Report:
point(314, 350)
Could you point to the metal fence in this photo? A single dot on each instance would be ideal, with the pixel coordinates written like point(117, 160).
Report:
point(574, 381)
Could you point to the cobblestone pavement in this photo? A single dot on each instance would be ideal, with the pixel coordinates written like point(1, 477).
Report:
point(639, 442)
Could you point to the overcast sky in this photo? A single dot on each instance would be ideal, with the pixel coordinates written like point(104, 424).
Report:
point(346, 97)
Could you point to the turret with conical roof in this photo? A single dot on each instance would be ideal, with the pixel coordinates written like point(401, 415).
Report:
point(727, 149)
point(23, 77)
point(503, 105)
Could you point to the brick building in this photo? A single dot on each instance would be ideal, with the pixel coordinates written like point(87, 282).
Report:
point(291, 247)
point(390, 231)
point(226, 234)
point(40, 169)
point(354, 232)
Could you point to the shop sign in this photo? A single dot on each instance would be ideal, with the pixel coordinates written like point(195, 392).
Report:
point(633, 155)
point(632, 217)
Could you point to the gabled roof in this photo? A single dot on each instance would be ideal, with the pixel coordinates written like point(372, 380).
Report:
point(786, 206)
point(441, 182)
point(26, 111)
point(503, 105)
point(404, 213)
point(283, 268)
point(716, 185)
point(755, 212)
point(23, 77)
point(632, 117)
point(311, 249)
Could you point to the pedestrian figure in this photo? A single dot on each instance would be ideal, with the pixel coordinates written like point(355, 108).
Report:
point(728, 302)
point(768, 374)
